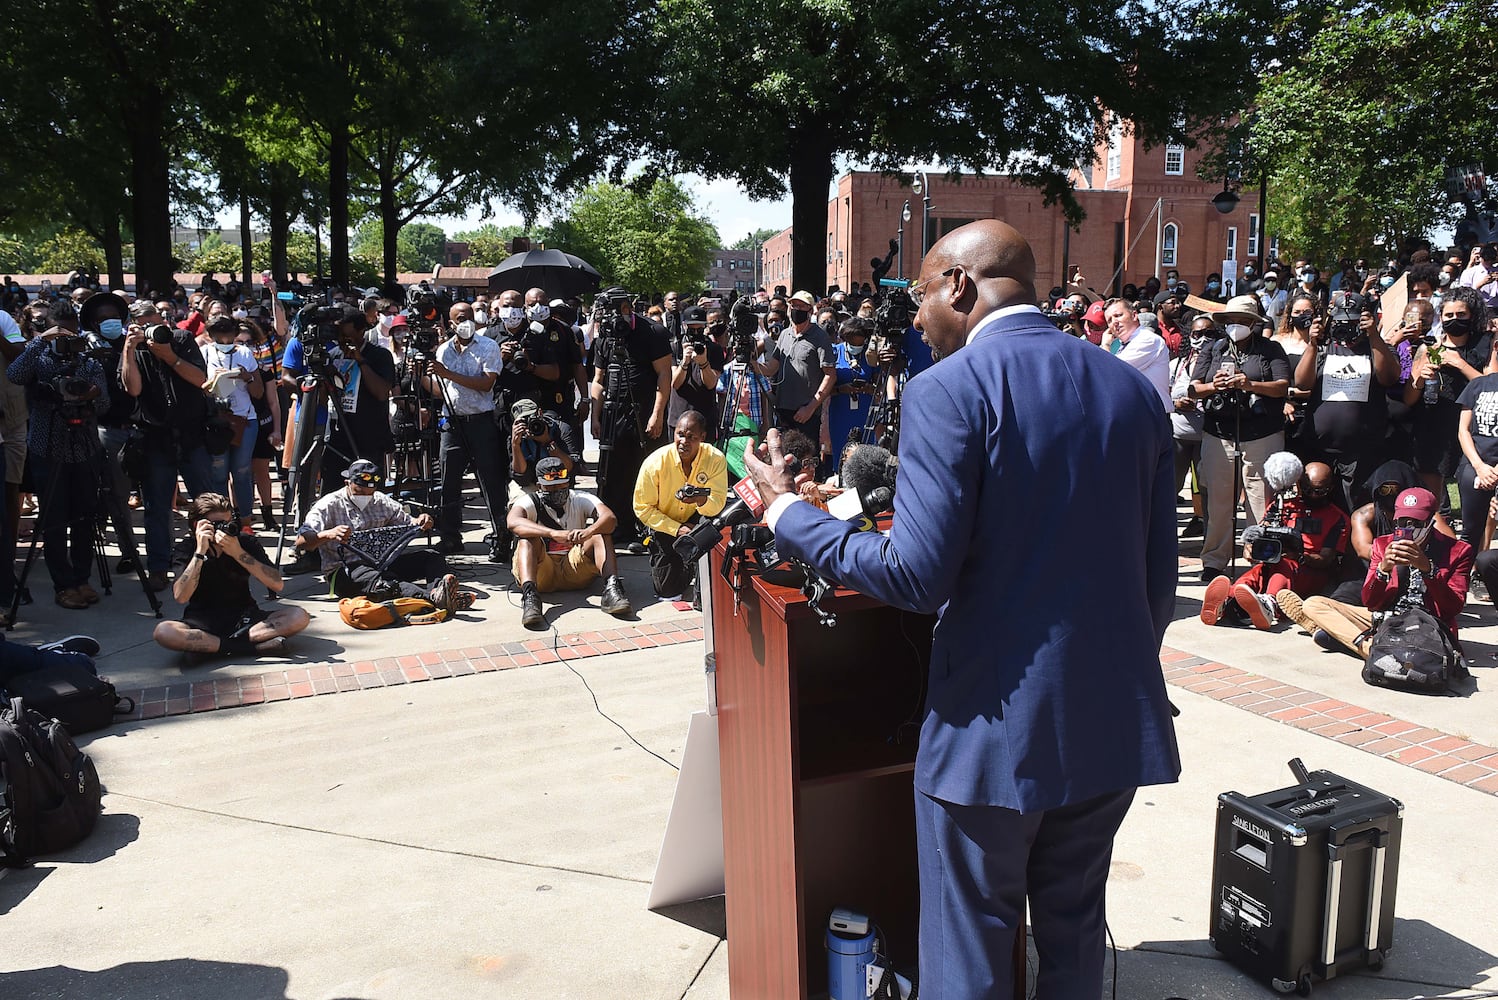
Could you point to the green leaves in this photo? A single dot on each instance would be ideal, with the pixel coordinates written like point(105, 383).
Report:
point(646, 242)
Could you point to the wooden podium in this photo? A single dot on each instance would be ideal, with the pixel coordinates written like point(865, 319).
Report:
point(817, 732)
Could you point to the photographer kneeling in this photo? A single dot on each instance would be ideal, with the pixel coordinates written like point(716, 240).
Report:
point(1243, 378)
point(66, 392)
point(1295, 552)
point(679, 485)
point(213, 567)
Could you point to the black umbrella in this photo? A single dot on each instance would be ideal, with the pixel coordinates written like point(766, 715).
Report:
point(561, 274)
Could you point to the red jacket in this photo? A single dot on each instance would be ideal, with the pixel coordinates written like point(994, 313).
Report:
point(1445, 594)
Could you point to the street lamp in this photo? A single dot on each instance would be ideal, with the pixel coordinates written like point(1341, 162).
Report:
point(900, 236)
point(921, 185)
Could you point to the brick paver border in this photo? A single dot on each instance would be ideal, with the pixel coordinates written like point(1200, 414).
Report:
point(188, 697)
point(1454, 758)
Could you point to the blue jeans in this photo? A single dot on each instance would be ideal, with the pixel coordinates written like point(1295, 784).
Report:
point(18, 658)
point(234, 465)
point(163, 463)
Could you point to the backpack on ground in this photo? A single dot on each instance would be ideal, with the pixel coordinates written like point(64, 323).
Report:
point(49, 789)
point(362, 613)
point(71, 693)
point(1412, 650)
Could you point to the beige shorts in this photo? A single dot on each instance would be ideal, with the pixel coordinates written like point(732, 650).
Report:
point(570, 570)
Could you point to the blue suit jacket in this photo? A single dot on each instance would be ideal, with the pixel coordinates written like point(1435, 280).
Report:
point(1035, 509)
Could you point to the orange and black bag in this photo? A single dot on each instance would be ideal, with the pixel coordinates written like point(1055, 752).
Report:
point(362, 613)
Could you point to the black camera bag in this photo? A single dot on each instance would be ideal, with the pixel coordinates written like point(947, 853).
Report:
point(1411, 650)
point(49, 789)
point(71, 693)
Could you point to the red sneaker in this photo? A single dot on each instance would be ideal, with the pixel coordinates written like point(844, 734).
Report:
point(1219, 592)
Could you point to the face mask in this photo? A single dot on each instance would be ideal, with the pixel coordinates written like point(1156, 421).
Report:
point(111, 329)
point(224, 348)
point(1311, 500)
point(360, 500)
point(466, 330)
point(1198, 341)
point(1239, 332)
point(1271, 283)
point(1458, 326)
point(511, 316)
point(1301, 321)
point(481, 317)
point(555, 499)
point(240, 314)
point(539, 313)
point(1435, 301)
point(1308, 278)
point(799, 316)
point(1213, 286)
point(856, 350)
point(1386, 281)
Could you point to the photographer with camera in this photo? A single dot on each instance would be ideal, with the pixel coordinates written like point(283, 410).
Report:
point(67, 392)
point(699, 366)
point(563, 539)
point(847, 409)
point(213, 567)
point(1346, 368)
point(630, 391)
point(747, 402)
point(1441, 370)
point(678, 485)
point(534, 436)
point(1482, 273)
point(804, 369)
point(557, 345)
point(102, 320)
point(1243, 379)
point(1297, 551)
point(164, 370)
point(234, 383)
point(463, 375)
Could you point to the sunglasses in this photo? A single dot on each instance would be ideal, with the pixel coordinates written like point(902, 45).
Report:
point(1388, 490)
point(365, 479)
point(554, 476)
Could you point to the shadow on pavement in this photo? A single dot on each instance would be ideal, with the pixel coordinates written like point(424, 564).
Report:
point(174, 979)
point(706, 915)
point(15, 885)
point(113, 831)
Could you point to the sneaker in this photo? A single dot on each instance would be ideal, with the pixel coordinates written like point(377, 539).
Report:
point(531, 615)
point(1219, 591)
point(450, 546)
point(157, 581)
point(442, 593)
point(1210, 573)
point(85, 644)
point(88, 593)
point(463, 599)
point(614, 601)
point(1248, 600)
point(71, 599)
point(272, 646)
point(125, 565)
point(1194, 528)
point(668, 600)
point(634, 548)
point(1323, 638)
point(1293, 608)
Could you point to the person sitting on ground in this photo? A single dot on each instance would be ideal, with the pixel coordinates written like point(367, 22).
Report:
point(1375, 518)
point(1413, 559)
point(677, 487)
point(17, 658)
point(563, 539)
point(332, 528)
point(213, 567)
point(1310, 569)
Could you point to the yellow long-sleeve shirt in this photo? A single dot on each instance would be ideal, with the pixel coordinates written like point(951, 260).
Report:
point(661, 476)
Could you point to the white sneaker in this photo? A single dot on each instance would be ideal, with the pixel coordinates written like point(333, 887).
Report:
point(668, 600)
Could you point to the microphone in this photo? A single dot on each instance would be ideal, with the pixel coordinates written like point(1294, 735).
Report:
point(745, 508)
point(867, 470)
point(1282, 471)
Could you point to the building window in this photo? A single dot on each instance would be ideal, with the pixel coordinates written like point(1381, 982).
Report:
point(1115, 149)
point(1253, 236)
point(1168, 245)
point(1175, 160)
point(1232, 248)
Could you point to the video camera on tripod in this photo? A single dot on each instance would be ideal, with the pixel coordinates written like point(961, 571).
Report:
point(743, 324)
point(1271, 539)
point(423, 323)
point(319, 337)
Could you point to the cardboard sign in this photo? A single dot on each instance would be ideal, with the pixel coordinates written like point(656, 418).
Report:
point(1204, 305)
point(1395, 298)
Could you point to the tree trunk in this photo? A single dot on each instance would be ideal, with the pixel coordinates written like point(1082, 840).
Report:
point(338, 150)
point(150, 189)
point(811, 172)
point(114, 254)
point(390, 225)
point(245, 240)
point(280, 226)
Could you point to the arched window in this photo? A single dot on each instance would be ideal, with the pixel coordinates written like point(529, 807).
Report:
point(1168, 245)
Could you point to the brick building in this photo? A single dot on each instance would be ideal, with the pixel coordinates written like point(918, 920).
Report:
point(1121, 230)
point(732, 269)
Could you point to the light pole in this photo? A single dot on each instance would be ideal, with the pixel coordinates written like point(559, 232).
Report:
point(900, 236)
point(921, 185)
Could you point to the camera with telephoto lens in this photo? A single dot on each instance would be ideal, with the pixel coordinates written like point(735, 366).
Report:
point(535, 426)
point(159, 333)
point(1344, 331)
point(696, 336)
point(319, 334)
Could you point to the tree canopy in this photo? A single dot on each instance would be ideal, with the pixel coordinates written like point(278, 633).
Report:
point(646, 241)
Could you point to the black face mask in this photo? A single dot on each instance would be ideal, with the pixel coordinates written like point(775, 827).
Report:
point(1302, 321)
point(799, 316)
point(1459, 326)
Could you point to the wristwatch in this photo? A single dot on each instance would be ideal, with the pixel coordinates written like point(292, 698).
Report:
point(199, 555)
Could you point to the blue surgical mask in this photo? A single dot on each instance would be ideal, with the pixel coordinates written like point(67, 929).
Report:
point(225, 348)
point(111, 329)
point(1386, 281)
point(1213, 286)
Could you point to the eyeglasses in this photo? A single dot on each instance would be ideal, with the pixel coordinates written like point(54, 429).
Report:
point(554, 476)
point(914, 291)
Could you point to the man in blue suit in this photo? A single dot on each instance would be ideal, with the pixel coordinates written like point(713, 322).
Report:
point(1046, 706)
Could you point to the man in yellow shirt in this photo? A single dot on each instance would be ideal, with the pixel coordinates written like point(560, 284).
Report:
point(678, 486)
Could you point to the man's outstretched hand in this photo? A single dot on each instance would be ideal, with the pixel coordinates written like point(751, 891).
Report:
point(767, 469)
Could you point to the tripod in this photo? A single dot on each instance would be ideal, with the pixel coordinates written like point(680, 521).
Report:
point(882, 424)
point(74, 430)
point(415, 442)
point(318, 386)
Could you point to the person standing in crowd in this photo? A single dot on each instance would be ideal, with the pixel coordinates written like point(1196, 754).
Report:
point(557, 394)
point(1018, 793)
point(1243, 379)
point(1464, 313)
point(803, 367)
point(848, 406)
point(1138, 347)
point(234, 381)
point(1187, 418)
point(213, 569)
point(698, 368)
point(102, 320)
point(1482, 274)
point(254, 338)
point(1272, 298)
point(678, 486)
point(1435, 387)
point(631, 390)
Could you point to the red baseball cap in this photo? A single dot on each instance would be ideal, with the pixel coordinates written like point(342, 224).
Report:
point(397, 320)
point(1416, 502)
point(1094, 315)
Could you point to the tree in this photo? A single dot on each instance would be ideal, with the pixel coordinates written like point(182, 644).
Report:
point(419, 246)
point(1362, 121)
point(647, 241)
point(486, 244)
point(980, 86)
point(69, 250)
point(754, 239)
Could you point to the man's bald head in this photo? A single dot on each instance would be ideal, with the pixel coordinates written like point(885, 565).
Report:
point(535, 295)
point(969, 273)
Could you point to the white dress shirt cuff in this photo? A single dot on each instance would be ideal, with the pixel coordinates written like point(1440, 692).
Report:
point(778, 507)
